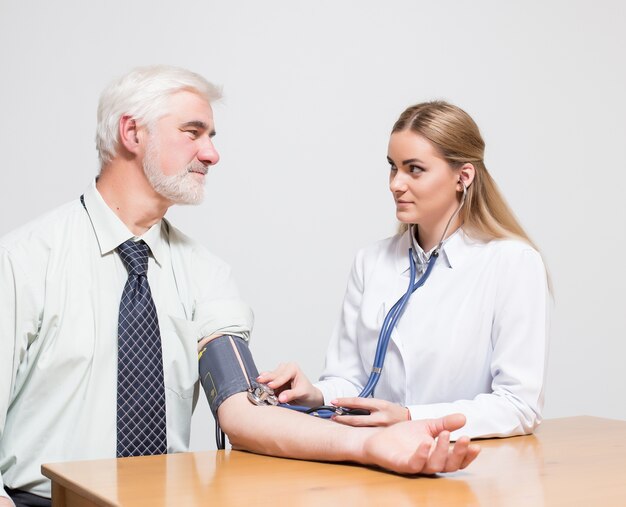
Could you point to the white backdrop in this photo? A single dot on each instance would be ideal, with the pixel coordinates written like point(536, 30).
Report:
point(311, 91)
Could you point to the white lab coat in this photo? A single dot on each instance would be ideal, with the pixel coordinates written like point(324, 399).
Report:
point(473, 339)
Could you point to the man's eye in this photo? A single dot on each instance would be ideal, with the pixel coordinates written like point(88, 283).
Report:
point(192, 133)
point(392, 167)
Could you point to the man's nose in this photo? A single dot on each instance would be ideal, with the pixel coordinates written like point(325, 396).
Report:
point(207, 154)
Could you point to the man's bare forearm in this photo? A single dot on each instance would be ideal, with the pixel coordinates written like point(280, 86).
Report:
point(280, 432)
point(407, 447)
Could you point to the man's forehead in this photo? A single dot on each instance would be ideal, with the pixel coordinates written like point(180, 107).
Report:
point(188, 107)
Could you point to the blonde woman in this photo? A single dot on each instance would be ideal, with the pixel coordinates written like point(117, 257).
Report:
point(473, 338)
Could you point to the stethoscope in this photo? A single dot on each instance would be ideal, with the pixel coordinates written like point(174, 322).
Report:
point(391, 319)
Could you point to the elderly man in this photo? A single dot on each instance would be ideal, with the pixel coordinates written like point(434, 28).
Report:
point(105, 305)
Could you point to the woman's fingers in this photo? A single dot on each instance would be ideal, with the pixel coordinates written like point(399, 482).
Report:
point(358, 421)
point(291, 385)
point(382, 412)
point(282, 375)
point(288, 395)
point(370, 404)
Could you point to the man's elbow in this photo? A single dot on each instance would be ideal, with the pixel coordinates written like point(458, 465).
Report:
point(235, 417)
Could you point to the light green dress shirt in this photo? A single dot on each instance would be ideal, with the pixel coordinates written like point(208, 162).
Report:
point(61, 281)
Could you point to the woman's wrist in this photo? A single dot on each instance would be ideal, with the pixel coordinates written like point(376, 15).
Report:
point(318, 397)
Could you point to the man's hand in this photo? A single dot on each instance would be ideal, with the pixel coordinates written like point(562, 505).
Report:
point(292, 385)
point(382, 412)
point(420, 447)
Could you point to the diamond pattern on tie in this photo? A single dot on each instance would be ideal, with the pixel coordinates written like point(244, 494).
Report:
point(141, 427)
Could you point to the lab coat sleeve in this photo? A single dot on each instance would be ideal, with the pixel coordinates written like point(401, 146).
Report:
point(18, 327)
point(518, 363)
point(343, 374)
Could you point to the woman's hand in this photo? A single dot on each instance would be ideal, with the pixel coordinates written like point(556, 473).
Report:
point(382, 413)
point(292, 385)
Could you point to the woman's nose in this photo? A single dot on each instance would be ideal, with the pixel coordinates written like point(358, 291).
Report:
point(397, 182)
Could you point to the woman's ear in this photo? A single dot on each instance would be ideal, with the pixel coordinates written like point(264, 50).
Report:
point(466, 175)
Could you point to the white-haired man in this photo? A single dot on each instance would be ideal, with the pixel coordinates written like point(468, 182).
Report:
point(74, 381)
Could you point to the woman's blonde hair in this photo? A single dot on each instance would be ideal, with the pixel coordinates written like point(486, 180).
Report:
point(485, 215)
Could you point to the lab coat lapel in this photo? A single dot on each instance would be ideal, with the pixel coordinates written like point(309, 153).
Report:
point(398, 282)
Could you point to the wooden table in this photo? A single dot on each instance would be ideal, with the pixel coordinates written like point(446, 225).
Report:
point(576, 461)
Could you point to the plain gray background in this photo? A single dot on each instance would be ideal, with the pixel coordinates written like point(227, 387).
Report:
point(311, 92)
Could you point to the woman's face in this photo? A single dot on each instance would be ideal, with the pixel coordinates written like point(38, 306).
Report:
point(423, 184)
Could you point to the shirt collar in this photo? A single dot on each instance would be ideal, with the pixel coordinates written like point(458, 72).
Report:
point(111, 232)
point(451, 251)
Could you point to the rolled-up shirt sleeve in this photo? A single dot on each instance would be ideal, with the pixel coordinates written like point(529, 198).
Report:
point(226, 316)
point(218, 306)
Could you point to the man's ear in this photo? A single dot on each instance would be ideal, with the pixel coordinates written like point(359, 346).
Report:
point(466, 175)
point(129, 135)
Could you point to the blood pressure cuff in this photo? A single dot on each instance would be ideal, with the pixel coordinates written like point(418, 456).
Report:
point(226, 368)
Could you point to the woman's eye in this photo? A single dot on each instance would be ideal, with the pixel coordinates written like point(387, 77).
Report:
point(415, 169)
point(392, 167)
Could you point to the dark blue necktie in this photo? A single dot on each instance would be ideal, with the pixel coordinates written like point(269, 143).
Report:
point(141, 425)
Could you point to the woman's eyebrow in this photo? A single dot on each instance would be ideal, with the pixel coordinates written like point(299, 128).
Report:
point(412, 161)
point(408, 161)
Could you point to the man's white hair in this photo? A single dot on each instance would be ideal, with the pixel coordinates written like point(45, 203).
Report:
point(143, 94)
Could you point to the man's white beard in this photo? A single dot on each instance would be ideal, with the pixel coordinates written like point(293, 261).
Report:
point(182, 188)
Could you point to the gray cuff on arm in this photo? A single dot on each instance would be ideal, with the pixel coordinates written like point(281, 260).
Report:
point(226, 367)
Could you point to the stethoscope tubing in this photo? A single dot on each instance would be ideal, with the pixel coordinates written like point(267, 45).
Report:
point(391, 319)
point(389, 323)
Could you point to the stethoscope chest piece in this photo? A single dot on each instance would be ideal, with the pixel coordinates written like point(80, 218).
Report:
point(262, 395)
